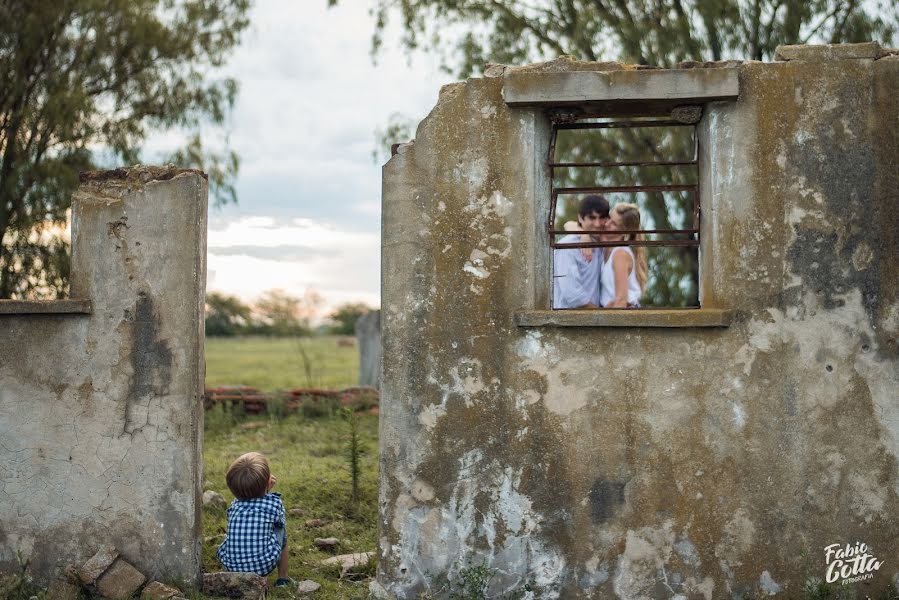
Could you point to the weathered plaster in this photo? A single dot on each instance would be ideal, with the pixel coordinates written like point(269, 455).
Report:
point(100, 413)
point(651, 461)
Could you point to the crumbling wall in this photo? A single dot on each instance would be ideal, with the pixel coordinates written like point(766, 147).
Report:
point(648, 462)
point(101, 412)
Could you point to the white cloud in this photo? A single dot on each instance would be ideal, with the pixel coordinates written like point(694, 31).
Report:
point(253, 254)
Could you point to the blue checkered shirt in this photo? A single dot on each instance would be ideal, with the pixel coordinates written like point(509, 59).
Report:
point(251, 544)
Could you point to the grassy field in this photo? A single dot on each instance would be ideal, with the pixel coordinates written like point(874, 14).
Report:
point(309, 457)
point(281, 363)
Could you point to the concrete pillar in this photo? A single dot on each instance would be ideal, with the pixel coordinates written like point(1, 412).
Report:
point(101, 413)
point(368, 334)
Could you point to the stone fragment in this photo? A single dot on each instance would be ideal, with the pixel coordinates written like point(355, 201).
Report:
point(821, 53)
point(376, 591)
point(328, 543)
point(315, 523)
point(97, 564)
point(63, 590)
point(295, 512)
point(307, 586)
point(243, 586)
point(120, 580)
point(213, 499)
point(350, 564)
point(687, 114)
point(159, 591)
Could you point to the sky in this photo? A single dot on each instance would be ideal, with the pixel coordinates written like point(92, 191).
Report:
point(309, 193)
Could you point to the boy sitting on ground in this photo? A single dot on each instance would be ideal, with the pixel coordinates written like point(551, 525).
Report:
point(256, 540)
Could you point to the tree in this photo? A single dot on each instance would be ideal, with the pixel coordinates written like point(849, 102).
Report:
point(345, 317)
point(281, 314)
point(226, 315)
point(83, 83)
point(654, 32)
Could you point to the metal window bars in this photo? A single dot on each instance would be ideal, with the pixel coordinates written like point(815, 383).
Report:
point(691, 235)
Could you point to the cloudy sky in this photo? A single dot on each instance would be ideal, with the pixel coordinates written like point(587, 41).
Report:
point(309, 191)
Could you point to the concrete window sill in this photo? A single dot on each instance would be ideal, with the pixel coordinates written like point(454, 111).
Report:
point(647, 317)
point(45, 307)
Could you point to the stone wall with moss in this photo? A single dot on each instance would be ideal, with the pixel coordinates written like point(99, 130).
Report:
point(643, 461)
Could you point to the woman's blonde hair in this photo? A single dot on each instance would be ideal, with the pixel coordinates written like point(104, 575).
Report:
point(630, 219)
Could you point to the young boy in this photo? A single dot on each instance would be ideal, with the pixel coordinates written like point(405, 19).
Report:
point(256, 540)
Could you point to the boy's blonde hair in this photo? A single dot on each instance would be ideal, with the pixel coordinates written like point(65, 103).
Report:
point(248, 476)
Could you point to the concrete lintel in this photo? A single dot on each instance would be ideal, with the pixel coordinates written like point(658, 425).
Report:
point(647, 317)
point(685, 85)
point(45, 307)
point(827, 52)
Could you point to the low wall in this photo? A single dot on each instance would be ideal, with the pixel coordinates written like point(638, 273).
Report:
point(101, 408)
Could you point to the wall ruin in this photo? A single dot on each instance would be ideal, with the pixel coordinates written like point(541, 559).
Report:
point(101, 395)
point(647, 455)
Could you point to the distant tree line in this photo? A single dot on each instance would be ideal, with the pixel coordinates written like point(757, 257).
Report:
point(276, 313)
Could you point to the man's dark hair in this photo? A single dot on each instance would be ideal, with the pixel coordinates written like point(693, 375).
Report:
point(594, 203)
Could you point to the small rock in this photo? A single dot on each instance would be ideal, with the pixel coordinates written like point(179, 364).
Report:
point(350, 564)
point(315, 523)
point(328, 543)
point(245, 586)
point(63, 590)
point(250, 426)
point(295, 512)
point(214, 500)
point(97, 564)
point(159, 591)
point(120, 580)
point(377, 592)
point(307, 587)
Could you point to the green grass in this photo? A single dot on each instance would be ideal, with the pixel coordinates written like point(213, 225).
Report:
point(309, 458)
point(277, 363)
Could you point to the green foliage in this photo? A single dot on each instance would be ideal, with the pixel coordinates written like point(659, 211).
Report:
point(226, 315)
point(472, 583)
point(354, 452)
point(19, 585)
point(85, 82)
point(345, 316)
point(658, 33)
point(281, 314)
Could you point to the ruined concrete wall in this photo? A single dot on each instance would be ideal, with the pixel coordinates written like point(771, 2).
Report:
point(100, 413)
point(616, 462)
point(368, 337)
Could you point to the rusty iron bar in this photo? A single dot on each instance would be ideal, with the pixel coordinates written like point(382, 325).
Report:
point(624, 124)
point(627, 231)
point(612, 244)
point(552, 148)
point(673, 187)
point(628, 163)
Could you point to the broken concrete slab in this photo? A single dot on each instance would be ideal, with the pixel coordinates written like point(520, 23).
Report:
point(828, 52)
point(121, 580)
point(307, 586)
point(245, 586)
point(157, 590)
point(554, 89)
point(350, 564)
point(328, 543)
point(97, 564)
point(63, 590)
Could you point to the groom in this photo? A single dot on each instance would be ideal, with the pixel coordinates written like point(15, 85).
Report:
point(575, 278)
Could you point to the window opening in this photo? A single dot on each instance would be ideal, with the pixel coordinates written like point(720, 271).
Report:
point(650, 162)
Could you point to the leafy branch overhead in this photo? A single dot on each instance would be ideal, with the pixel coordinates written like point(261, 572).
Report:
point(83, 83)
point(471, 33)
